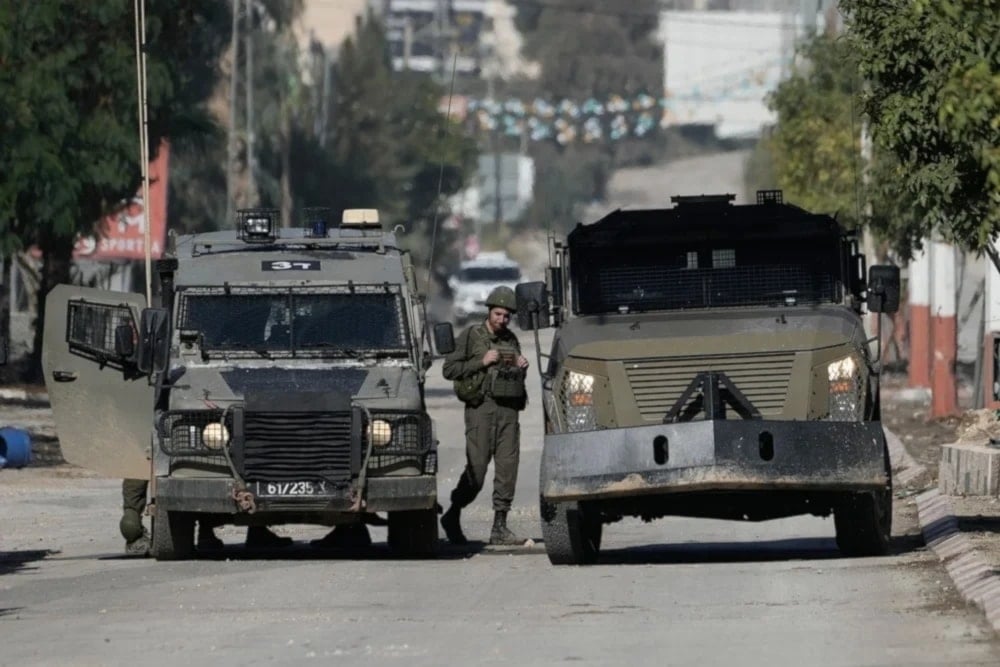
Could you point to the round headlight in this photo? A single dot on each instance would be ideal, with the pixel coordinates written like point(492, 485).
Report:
point(215, 436)
point(380, 432)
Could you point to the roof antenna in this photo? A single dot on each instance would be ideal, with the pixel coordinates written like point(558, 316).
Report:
point(437, 199)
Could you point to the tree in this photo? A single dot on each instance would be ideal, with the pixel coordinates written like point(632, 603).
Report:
point(390, 143)
point(932, 69)
point(589, 48)
point(68, 112)
point(813, 153)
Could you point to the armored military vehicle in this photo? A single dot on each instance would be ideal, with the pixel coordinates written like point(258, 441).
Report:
point(277, 379)
point(710, 360)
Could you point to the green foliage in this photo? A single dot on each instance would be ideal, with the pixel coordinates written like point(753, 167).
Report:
point(69, 136)
point(390, 142)
point(815, 145)
point(68, 108)
point(933, 70)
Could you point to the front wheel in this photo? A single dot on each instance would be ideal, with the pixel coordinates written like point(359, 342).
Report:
point(173, 535)
point(864, 524)
point(571, 532)
point(864, 520)
point(413, 533)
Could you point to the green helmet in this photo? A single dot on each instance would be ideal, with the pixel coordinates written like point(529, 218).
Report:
point(502, 297)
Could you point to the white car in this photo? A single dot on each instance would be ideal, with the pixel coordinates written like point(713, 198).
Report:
point(474, 280)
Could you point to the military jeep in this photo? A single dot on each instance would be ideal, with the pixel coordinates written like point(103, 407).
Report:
point(710, 360)
point(277, 378)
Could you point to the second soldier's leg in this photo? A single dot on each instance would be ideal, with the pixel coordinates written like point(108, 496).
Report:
point(133, 506)
point(506, 458)
point(478, 446)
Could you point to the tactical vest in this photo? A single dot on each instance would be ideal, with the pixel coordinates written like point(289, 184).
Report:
point(504, 379)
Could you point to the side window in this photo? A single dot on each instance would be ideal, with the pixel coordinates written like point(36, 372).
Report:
point(90, 329)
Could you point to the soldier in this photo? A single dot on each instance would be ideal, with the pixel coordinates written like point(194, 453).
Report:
point(488, 370)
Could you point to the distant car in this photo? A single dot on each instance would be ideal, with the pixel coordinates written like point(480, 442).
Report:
point(474, 280)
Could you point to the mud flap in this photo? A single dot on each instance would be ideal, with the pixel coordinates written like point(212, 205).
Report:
point(103, 407)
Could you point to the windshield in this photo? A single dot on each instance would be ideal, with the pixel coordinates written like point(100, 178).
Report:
point(493, 274)
point(363, 321)
point(731, 273)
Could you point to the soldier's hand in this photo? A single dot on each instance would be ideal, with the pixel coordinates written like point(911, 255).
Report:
point(490, 357)
point(522, 363)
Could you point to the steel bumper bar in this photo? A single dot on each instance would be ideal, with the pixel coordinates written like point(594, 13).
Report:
point(749, 454)
point(215, 496)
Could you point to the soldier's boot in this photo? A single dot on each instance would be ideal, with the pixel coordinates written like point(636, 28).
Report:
point(262, 536)
point(207, 539)
point(451, 521)
point(501, 534)
point(138, 547)
point(136, 537)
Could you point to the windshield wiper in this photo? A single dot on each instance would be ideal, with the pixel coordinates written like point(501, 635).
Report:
point(224, 347)
point(353, 353)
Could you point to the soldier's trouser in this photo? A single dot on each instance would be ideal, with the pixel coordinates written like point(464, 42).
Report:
point(491, 431)
point(133, 505)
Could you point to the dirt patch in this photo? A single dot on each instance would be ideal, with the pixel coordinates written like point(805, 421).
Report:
point(908, 416)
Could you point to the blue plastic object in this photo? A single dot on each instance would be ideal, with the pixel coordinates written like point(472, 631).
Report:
point(15, 448)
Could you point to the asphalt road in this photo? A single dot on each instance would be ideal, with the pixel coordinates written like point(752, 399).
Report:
point(675, 592)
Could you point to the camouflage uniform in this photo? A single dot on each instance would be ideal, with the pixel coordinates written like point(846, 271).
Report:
point(491, 420)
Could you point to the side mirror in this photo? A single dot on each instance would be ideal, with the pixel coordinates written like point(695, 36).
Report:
point(444, 338)
point(153, 348)
point(883, 289)
point(125, 342)
point(532, 306)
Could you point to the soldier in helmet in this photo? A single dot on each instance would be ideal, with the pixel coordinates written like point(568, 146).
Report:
point(488, 371)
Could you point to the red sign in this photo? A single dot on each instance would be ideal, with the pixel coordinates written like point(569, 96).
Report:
point(121, 234)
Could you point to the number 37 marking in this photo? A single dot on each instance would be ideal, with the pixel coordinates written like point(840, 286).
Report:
point(285, 265)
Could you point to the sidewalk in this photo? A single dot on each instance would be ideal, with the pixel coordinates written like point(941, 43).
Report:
point(964, 531)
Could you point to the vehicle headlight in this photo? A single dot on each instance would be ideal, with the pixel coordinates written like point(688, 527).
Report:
point(380, 432)
point(846, 389)
point(578, 401)
point(215, 435)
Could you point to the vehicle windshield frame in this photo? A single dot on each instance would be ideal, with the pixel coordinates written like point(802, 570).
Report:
point(298, 321)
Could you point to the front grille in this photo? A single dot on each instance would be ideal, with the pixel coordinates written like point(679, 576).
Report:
point(658, 383)
point(298, 446)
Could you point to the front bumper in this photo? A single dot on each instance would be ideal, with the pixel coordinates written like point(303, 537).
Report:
point(215, 496)
point(722, 455)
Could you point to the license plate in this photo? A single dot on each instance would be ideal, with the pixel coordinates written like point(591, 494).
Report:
point(291, 489)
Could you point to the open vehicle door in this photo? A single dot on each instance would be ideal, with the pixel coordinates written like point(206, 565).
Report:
point(103, 405)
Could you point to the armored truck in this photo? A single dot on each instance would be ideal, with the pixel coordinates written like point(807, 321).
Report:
point(277, 378)
point(710, 360)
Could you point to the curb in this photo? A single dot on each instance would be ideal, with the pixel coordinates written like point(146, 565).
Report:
point(901, 459)
point(973, 578)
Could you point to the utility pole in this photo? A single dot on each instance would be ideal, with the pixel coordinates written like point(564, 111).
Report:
point(327, 92)
point(231, 137)
point(407, 42)
point(251, 182)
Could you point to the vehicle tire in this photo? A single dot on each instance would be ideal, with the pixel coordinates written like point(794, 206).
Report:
point(571, 533)
point(413, 533)
point(173, 535)
point(864, 520)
